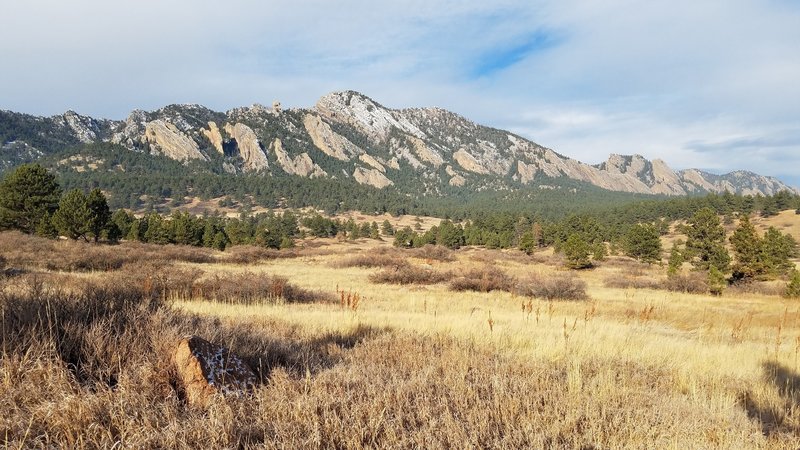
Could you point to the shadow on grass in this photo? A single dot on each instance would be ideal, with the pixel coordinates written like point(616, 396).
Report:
point(290, 350)
point(776, 419)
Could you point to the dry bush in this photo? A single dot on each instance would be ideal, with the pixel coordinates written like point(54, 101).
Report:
point(250, 288)
point(33, 252)
point(250, 254)
point(631, 282)
point(370, 260)
point(434, 252)
point(692, 283)
point(757, 287)
point(559, 286)
point(484, 280)
point(408, 274)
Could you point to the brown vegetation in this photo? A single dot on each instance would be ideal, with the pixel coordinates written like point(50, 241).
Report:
point(486, 279)
point(561, 286)
point(410, 274)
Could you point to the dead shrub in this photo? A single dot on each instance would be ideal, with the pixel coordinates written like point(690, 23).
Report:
point(33, 252)
point(250, 254)
point(434, 252)
point(560, 286)
point(371, 260)
point(758, 288)
point(692, 283)
point(408, 274)
point(631, 282)
point(251, 288)
point(483, 280)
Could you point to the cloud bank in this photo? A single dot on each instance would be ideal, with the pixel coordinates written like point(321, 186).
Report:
point(710, 84)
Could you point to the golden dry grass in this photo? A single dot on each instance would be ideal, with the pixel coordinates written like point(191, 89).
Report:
point(424, 367)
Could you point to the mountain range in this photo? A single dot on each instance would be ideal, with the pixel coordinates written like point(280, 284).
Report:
point(347, 135)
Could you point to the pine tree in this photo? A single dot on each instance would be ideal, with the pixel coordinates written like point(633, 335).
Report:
point(387, 229)
point(747, 248)
point(676, 260)
point(73, 217)
point(776, 251)
point(706, 241)
point(716, 281)
point(100, 214)
point(577, 251)
point(793, 286)
point(643, 243)
point(27, 195)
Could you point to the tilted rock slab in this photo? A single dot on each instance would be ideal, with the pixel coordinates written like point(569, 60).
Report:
point(171, 141)
point(254, 159)
point(205, 369)
point(214, 136)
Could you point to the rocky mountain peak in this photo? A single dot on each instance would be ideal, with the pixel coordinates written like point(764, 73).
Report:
point(348, 135)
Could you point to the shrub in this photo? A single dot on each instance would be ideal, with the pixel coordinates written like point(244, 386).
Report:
point(372, 260)
point(628, 282)
point(249, 288)
point(251, 254)
point(434, 252)
point(483, 280)
point(554, 287)
point(408, 274)
point(693, 283)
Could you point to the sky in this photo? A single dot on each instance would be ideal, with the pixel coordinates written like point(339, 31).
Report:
point(711, 84)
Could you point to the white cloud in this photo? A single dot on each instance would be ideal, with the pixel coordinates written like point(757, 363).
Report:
point(666, 79)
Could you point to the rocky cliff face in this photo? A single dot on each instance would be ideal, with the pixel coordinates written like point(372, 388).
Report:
point(349, 135)
point(167, 139)
point(253, 157)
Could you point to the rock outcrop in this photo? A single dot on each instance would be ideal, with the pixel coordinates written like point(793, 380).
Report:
point(469, 162)
point(300, 165)
point(328, 141)
point(205, 369)
point(167, 139)
point(372, 177)
point(254, 159)
point(214, 136)
point(369, 160)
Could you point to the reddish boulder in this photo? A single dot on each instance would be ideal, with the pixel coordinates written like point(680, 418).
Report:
point(204, 369)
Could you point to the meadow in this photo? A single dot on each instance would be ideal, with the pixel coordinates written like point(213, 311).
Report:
point(361, 345)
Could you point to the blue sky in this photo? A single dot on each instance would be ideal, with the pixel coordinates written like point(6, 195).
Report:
point(710, 84)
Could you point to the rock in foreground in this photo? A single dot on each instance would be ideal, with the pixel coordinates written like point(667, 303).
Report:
point(204, 369)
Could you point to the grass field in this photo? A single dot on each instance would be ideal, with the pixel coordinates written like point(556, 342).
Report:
point(404, 366)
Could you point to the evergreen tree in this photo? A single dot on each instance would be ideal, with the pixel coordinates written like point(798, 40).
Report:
point(716, 280)
point(643, 243)
point(747, 249)
point(449, 235)
point(404, 237)
point(577, 251)
point(776, 251)
point(123, 220)
point(27, 196)
point(793, 286)
point(387, 229)
point(706, 241)
point(100, 214)
point(73, 217)
point(676, 260)
point(45, 228)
